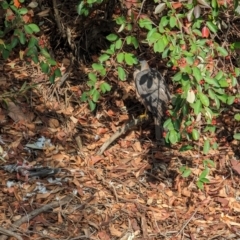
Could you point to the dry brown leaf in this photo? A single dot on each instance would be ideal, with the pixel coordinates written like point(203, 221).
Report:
point(186, 192)
point(229, 220)
point(15, 112)
point(235, 165)
point(53, 123)
point(114, 231)
point(103, 235)
point(123, 118)
point(42, 195)
point(15, 143)
point(95, 159)
point(137, 147)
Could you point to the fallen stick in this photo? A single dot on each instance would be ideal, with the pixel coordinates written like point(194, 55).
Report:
point(121, 131)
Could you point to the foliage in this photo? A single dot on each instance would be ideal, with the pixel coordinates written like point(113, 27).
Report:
point(114, 54)
point(187, 37)
point(19, 33)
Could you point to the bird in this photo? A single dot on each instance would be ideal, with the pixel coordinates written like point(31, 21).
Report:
point(152, 91)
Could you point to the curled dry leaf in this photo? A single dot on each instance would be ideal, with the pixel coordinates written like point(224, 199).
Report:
point(197, 11)
point(204, 3)
point(160, 7)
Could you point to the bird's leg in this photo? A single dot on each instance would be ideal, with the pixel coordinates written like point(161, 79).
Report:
point(144, 115)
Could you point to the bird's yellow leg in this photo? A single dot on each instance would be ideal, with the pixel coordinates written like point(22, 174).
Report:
point(144, 115)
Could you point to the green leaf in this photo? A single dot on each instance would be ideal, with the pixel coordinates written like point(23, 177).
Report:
point(223, 98)
point(103, 58)
point(51, 62)
point(80, 7)
point(185, 148)
point(236, 136)
point(208, 162)
point(204, 173)
point(211, 93)
point(57, 73)
point(237, 116)
point(109, 51)
point(5, 53)
point(103, 72)
point(22, 38)
point(186, 173)
point(219, 75)
point(211, 81)
point(212, 27)
point(223, 83)
point(177, 77)
point(105, 87)
point(35, 59)
point(197, 107)
point(135, 42)
point(44, 67)
point(235, 45)
point(208, 113)
point(223, 52)
point(145, 23)
point(121, 74)
point(129, 40)
point(52, 78)
point(197, 73)
point(23, 11)
point(205, 180)
point(45, 53)
point(92, 105)
point(5, 5)
point(168, 124)
point(164, 21)
point(34, 27)
point(120, 20)
point(195, 134)
point(14, 42)
point(93, 77)
point(130, 59)
point(95, 95)
point(120, 57)
point(165, 53)
point(84, 97)
point(97, 66)
point(230, 100)
point(159, 46)
point(129, 27)
point(204, 99)
point(112, 37)
point(32, 42)
point(237, 71)
point(200, 185)
point(172, 21)
point(206, 146)
point(27, 29)
point(118, 43)
point(173, 136)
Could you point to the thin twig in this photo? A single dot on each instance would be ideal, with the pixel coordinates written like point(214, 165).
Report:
point(187, 222)
point(36, 212)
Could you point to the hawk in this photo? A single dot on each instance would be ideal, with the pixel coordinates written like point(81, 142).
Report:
point(153, 92)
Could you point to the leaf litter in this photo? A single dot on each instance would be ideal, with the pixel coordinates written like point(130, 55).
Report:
point(133, 191)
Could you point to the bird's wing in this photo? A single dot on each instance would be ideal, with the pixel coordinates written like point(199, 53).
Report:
point(153, 91)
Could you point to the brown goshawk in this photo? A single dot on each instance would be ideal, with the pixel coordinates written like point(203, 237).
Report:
point(153, 93)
